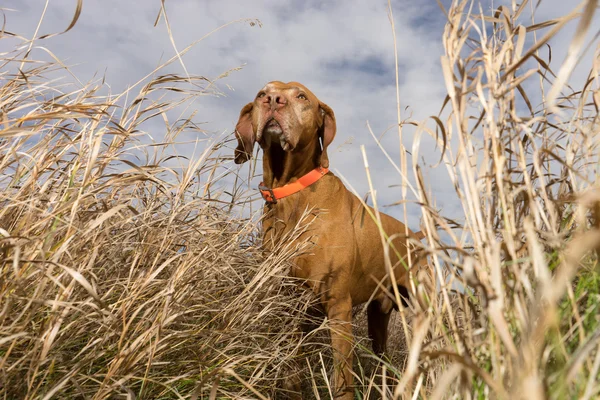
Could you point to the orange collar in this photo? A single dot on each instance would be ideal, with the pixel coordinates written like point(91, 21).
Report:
point(272, 195)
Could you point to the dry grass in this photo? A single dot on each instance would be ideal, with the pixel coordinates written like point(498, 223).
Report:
point(522, 150)
point(125, 273)
point(122, 274)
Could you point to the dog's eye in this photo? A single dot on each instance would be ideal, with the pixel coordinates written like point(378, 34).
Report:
point(302, 97)
point(260, 95)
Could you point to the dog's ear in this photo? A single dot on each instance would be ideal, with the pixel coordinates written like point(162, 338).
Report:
point(244, 132)
point(327, 131)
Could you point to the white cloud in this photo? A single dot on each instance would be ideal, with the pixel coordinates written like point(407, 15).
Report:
point(342, 50)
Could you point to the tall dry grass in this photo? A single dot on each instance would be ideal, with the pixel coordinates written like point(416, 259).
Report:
point(517, 310)
point(125, 273)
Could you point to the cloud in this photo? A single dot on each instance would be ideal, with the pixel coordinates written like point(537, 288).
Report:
point(341, 50)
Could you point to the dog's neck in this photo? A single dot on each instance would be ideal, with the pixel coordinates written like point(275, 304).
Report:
point(281, 167)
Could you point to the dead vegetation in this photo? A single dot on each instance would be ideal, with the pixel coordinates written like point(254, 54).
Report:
point(123, 275)
point(521, 149)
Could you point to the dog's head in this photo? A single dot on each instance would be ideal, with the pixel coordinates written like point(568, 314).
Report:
point(286, 115)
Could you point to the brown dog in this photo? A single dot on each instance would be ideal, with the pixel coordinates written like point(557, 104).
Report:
point(347, 266)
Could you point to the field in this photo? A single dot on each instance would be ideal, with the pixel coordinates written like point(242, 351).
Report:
point(127, 271)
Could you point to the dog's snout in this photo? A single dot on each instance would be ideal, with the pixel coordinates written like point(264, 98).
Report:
point(275, 100)
point(280, 99)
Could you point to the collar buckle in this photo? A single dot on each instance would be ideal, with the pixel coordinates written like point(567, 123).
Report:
point(267, 194)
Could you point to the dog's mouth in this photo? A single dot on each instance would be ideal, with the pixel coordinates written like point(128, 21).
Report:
point(273, 128)
point(273, 132)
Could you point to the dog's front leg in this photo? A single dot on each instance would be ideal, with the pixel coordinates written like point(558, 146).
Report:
point(339, 312)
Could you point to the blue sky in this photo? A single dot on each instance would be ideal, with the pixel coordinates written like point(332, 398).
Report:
point(341, 50)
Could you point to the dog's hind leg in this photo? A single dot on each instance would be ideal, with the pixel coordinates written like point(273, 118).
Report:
point(378, 320)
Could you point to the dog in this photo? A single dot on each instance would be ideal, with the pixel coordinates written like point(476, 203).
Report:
point(347, 265)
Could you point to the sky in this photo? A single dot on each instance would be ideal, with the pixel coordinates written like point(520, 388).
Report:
point(342, 50)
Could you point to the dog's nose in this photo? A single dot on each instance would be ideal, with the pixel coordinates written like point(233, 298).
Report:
point(276, 100)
